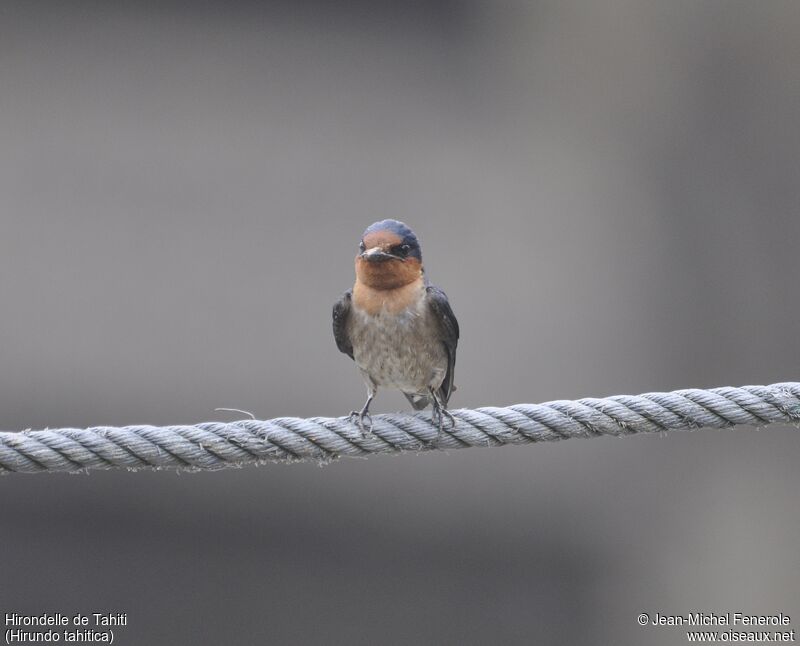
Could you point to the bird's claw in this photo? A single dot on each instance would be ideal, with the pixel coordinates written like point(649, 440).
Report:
point(361, 415)
point(439, 414)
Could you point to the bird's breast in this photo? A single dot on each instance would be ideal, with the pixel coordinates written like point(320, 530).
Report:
point(395, 340)
point(400, 301)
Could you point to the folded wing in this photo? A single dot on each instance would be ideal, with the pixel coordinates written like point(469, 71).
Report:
point(341, 313)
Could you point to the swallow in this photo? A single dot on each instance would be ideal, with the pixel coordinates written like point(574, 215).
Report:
point(397, 327)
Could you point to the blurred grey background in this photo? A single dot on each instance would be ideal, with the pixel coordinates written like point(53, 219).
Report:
point(609, 192)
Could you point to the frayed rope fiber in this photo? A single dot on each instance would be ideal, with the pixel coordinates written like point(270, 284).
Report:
point(216, 445)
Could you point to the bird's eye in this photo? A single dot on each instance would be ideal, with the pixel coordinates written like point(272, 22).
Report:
point(401, 250)
point(362, 247)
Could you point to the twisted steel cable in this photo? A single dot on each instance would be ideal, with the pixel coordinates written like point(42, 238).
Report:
point(217, 445)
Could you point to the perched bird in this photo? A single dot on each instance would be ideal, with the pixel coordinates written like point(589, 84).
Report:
point(398, 328)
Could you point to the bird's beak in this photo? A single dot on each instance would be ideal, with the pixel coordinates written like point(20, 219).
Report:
point(376, 254)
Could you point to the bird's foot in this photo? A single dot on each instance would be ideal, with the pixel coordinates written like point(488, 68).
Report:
point(361, 416)
point(438, 415)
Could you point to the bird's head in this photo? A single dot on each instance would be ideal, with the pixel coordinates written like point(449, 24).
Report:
point(389, 256)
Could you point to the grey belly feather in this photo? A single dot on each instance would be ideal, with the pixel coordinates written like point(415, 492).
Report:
point(400, 351)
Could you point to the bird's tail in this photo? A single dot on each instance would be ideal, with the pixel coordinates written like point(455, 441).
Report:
point(418, 401)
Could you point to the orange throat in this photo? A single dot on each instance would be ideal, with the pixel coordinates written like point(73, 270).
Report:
point(391, 285)
point(389, 274)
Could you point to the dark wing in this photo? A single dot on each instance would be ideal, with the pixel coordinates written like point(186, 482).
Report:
point(341, 312)
point(448, 331)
